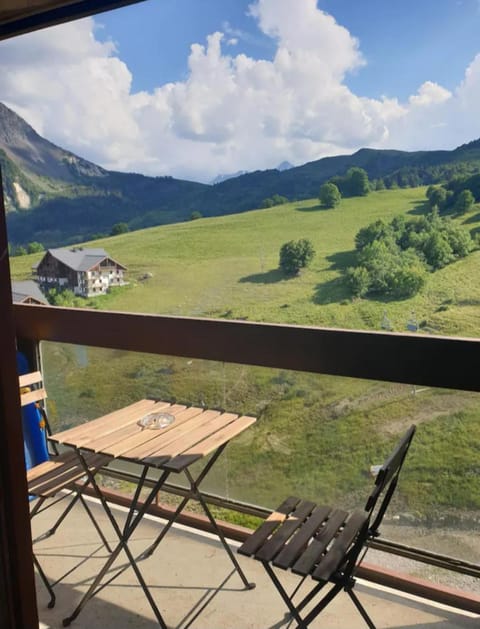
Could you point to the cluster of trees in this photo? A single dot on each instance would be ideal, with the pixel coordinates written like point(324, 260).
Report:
point(393, 259)
point(426, 174)
point(296, 255)
point(66, 298)
point(275, 199)
point(31, 247)
point(354, 183)
point(444, 198)
point(119, 228)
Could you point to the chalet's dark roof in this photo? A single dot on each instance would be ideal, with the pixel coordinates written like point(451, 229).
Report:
point(27, 289)
point(80, 258)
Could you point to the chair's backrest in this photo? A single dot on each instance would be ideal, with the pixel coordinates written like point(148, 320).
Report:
point(31, 388)
point(34, 421)
point(386, 481)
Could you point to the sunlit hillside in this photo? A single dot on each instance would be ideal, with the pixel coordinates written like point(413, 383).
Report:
point(228, 267)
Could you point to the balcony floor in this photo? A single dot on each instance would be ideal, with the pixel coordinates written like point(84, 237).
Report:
point(192, 581)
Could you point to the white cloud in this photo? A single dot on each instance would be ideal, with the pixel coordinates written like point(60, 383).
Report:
point(231, 112)
point(430, 94)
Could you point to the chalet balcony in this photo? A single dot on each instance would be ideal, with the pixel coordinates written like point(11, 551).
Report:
point(389, 359)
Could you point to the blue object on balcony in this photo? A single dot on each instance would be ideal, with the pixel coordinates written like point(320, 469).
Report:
point(33, 425)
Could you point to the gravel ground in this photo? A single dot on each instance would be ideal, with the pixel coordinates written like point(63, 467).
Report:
point(460, 544)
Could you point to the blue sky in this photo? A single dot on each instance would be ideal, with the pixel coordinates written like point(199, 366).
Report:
point(195, 88)
point(404, 43)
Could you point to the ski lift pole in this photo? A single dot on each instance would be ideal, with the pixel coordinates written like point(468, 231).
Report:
point(412, 326)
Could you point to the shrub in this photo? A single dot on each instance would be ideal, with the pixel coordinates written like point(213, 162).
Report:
point(119, 228)
point(358, 280)
point(296, 255)
point(330, 195)
point(464, 202)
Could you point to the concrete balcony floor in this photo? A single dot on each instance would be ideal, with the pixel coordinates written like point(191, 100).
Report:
point(192, 580)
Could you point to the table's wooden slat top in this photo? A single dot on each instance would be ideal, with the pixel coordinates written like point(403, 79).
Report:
point(194, 433)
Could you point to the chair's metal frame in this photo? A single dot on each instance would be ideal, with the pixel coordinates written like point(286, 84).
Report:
point(344, 576)
point(73, 488)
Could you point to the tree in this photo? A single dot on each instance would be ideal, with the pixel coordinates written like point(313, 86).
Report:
point(35, 247)
point(119, 228)
point(438, 251)
point(195, 215)
point(464, 202)
point(278, 199)
point(296, 255)
point(408, 279)
point(437, 197)
point(358, 184)
point(329, 195)
point(459, 240)
point(20, 251)
point(375, 231)
point(358, 279)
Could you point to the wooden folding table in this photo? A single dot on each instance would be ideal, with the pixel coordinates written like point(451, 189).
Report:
point(161, 435)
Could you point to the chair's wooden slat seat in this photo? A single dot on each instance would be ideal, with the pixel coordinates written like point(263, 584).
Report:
point(61, 472)
point(306, 538)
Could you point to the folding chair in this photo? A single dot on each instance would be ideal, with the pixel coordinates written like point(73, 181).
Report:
point(49, 474)
point(325, 543)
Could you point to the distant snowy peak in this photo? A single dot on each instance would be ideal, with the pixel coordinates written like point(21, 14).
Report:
point(284, 166)
point(219, 178)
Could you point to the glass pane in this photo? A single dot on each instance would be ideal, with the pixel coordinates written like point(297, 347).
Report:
point(317, 437)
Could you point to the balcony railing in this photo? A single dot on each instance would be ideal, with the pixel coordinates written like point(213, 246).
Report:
point(447, 363)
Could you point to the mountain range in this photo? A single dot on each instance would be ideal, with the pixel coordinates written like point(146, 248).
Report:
point(58, 198)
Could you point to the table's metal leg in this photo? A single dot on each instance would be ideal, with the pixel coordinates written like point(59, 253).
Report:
point(135, 499)
point(151, 549)
point(132, 523)
point(195, 494)
point(95, 523)
point(249, 585)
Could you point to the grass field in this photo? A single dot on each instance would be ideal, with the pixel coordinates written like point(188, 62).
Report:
point(313, 431)
point(228, 267)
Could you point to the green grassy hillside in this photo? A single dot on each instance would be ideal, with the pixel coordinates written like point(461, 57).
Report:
point(228, 267)
point(314, 432)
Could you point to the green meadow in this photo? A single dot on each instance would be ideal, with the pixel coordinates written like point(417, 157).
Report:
point(228, 267)
point(313, 432)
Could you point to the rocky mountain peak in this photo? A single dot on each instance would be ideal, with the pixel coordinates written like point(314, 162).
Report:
point(34, 154)
point(13, 129)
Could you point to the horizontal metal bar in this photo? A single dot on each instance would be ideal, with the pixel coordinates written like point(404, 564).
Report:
point(405, 358)
point(424, 556)
point(410, 552)
point(373, 573)
point(178, 490)
point(420, 587)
